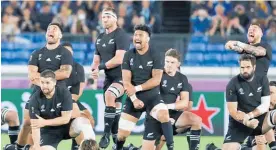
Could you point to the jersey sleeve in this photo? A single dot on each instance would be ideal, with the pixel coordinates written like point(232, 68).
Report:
point(33, 59)
point(190, 92)
point(81, 74)
point(67, 103)
point(268, 49)
point(126, 61)
point(66, 58)
point(158, 60)
point(185, 84)
point(265, 88)
point(122, 40)
point(34, 106)
point(231, 94)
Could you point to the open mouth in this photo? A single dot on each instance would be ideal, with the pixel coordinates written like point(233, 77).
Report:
point(138, 42)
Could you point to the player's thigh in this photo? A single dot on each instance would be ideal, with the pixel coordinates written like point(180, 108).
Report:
point(231, 146)
point(237, 132)
point(267, 120)
point(48, 147)
point(148, 145)
point(269, 136)
point(78, 124)
point(187, 119)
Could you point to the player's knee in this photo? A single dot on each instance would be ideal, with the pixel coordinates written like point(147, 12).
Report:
point(126, 125)
point(12, 118)
point(121, 137)
point(26, 123)
point(109, 98)
point(163, 115)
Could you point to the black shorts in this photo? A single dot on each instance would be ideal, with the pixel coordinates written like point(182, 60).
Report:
point(74, 89)
point(237, 132)
point(81, 107)
point(153, 129)
point(150, 99)
point(175, 115)
point(54, 135)
point(108, 82)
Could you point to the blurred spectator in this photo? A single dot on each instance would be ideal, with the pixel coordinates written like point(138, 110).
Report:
point(201, 22)
point(91, 15)
point(44, 18)
point(238, 21)
point(26, 24)
point(226, 4)
point(219, 22)
point(124, 20)
point(151, 19)
point(9, 11)
point(31, 5)
point(259, 10)
point(271, 18)
point(80, 23)
point(79, 4)
point(9, 26)
point(100, 5)
point(15, 5)
point(271, 31)
point(198, 4)
point(64, 18)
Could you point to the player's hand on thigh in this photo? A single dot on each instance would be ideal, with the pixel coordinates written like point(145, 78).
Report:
point(138, 104)
point(260, 140)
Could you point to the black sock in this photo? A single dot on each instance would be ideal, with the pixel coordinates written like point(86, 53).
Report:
point(19, 147)
point(120, 145)
point(272, 145)
point(109, 116)
point(168, 133)
point(13, 133)
point(114, 129)
point(188, 137)
point(74, 146)
point(194, 139)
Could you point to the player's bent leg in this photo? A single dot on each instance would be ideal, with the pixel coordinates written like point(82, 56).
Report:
point(148, 145)
point(25, 130)
point(161, 143)
point(89, 116)
point(269, 121)
point(114, 91)
point(231, 146)
point(188, 119)
point(270, 138)
point(160, 112)
point(115, 126)
point(126, 125)
point(12, 119)
point(81, 124)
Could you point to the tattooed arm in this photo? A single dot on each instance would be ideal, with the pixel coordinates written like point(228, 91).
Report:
point(63, 72)
point(255, 50)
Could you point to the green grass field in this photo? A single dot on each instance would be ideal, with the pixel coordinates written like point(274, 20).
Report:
point(180, 142)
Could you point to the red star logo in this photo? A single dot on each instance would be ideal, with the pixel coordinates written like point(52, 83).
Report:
point(206, 113)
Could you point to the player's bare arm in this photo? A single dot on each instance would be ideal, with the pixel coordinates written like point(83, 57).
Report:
point(154, 81)
point(36, 135)
point(63, 72)
point(232, 108)
point(96, 62)
point(41, 122)
point(116, 60)
point(129, 88)
point(33, 74)
point(183, 103)
point(255, 50)
point(232, 46)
